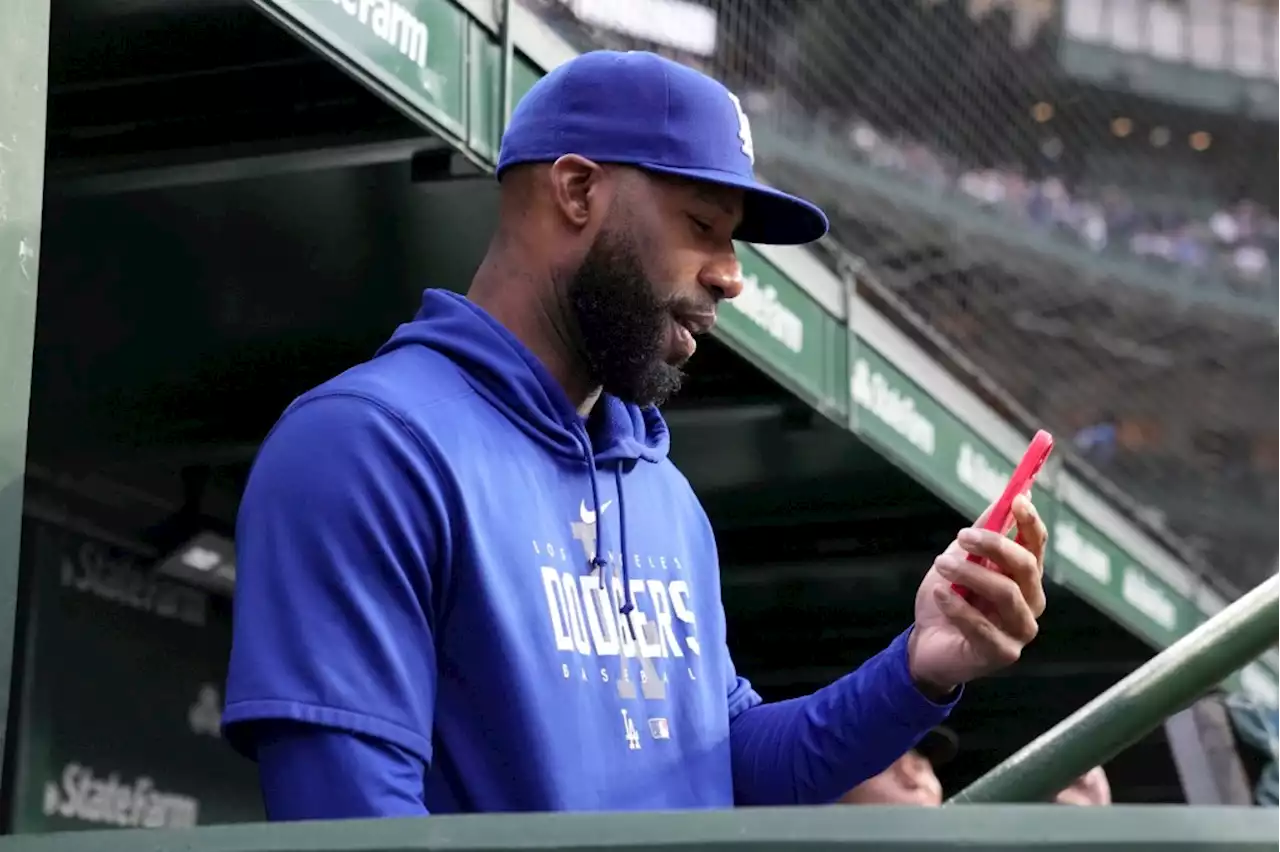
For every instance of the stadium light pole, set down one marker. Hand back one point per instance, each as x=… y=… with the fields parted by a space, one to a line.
x=1136 y=705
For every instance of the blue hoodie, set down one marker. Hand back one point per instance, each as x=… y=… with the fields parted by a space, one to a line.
x=455 y=594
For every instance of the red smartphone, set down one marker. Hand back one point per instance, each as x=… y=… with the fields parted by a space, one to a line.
x=1024 y=476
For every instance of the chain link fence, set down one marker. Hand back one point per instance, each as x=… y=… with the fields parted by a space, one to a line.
x=1076 y=197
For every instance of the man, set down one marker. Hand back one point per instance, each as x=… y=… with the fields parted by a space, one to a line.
x=912 y=779
x=471 y=580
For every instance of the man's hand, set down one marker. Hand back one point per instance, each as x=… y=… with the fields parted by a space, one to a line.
x=956 y=641
x=1091 y=788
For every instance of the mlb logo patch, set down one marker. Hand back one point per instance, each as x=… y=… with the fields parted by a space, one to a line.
x=658 y=729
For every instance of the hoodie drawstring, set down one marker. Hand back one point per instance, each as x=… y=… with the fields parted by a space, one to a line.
x=630 y=602
x=598 y=562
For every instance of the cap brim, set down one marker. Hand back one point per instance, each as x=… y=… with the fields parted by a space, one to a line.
x=769 y=216
x=939 y=746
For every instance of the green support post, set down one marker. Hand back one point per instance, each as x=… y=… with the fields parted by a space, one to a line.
x=24 y=72
x=1132 y=708
x=506 y=41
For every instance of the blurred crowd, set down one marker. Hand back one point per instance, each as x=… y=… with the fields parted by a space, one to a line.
x=1235 y=239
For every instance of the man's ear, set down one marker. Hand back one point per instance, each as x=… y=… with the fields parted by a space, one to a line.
x=577 y=188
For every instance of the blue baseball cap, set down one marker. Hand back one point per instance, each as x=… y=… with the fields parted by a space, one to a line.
x=642 y=110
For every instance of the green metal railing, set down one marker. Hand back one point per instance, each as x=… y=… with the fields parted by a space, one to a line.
x=1138 y=704
x=980 y=828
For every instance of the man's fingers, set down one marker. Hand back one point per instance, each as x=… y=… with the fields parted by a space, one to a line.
x=1012 y=559
x=1026 y=520
x=986 y=515
x=1015 y=614
x=1032 y=533
x=996 y=646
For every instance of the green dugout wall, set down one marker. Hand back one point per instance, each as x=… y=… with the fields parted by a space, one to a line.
x=24 y=28
x=848 y=372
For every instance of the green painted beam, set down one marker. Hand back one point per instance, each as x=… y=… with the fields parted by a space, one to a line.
x=1044 y=828
x=1119 y=717
x=24 y=71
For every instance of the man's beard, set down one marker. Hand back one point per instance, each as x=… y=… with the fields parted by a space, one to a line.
x=622 y=324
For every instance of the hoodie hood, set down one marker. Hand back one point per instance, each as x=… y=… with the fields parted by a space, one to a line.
x=514 y=381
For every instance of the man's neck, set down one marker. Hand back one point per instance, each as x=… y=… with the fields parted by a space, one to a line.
x=528 y=309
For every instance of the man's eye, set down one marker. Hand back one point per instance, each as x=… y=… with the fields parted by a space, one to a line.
x=702 y=226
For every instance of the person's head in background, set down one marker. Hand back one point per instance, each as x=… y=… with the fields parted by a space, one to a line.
x=913 y=780
x=1091 y=788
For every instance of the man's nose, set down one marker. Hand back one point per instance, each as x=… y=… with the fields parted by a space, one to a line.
x=723 y=278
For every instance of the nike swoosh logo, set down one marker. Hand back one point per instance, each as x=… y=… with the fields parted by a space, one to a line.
x=588 y=516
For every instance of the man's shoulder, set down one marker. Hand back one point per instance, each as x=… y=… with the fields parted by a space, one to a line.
x=414 y=385
x=377 y=422
x=405 y=402
x=409 y=379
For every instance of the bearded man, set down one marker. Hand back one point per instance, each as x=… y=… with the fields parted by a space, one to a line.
x=470 y=579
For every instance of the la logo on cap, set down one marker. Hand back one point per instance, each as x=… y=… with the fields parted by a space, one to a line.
x=744 y=129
